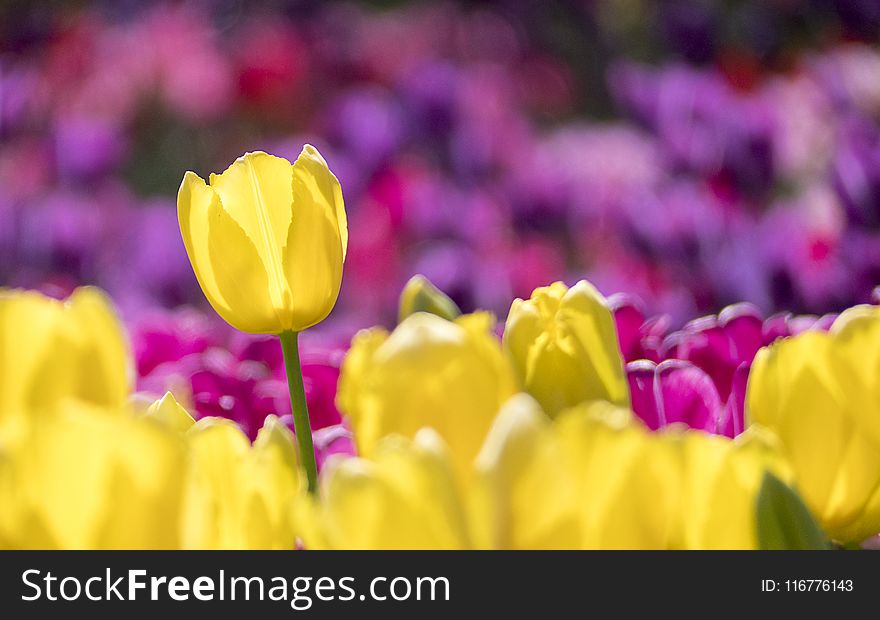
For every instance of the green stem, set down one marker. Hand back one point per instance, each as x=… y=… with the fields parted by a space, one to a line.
x=300 y=408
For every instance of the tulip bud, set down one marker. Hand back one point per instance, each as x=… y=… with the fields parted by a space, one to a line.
x=818 y=392
x=267 y=240
x=429 y=372
x=420 y=295
x=169 y=412
x=563 y=344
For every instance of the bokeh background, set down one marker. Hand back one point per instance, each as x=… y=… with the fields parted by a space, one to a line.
x=693 y=153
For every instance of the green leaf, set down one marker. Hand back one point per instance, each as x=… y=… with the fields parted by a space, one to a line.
x=784 y=522
x=420 y=295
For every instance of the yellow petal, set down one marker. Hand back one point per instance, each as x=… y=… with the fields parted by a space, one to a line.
x=30 y=328
x=213 y=510
x=857 y=336
x=91 y=480
x=275 y=478
x=195 y=201
x=523 y=498
x=256 y=192
x=239 y=496
x=233 y=231
x=813 y=392
x=586 y=313
x=241 y=277
x=627 y=482
x=312 y=178
x=404 y=497
x=51 y=351
x=106 y=372
x=170 y=413
x=420 y=295
x=314 y=249
x=721 y=485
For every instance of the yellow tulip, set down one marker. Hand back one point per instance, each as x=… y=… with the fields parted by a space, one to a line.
x=238 y=495
x=563 y=343
x=52 y=350
x=91 y=479
x=429 y=372
x=403 y=497
x=169 y=412
x=595 y=478
x=267 y=240
x=820 y=393
x=721 y=481
x=518 y=466
x=420 y=295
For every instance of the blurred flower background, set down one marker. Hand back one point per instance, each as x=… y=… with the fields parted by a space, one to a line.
x=691 y=154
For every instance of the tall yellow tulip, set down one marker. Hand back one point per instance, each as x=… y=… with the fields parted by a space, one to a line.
x=563 y=343
x=820 y=393
x=267 y=240
x=429 y=372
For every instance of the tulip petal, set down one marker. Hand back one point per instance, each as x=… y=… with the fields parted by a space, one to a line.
x=642 y=385
x=522 y=498
x=734 y=409
x=241 y=280
x=721 y=483
x=312 y=264
x=804 y=389
x=90 y=480
x=51 y=350
x=857 y=335
x=194 y=201
x=30 y=375
x=404 y=497
x=256 y=192
x=596 y=326
x=312 y=176
x=107 y=373
x=689 y=396
x=170 y=413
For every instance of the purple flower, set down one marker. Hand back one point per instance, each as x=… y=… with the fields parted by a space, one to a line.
x=168 y=337
x=719 y=344
x=329 y=441
x=236 y=376
x=639 y=339
x=856 y=172
x=88 y=146
x=675 y=391
x=701 y=380
x=364 y=124
x=703 y=122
